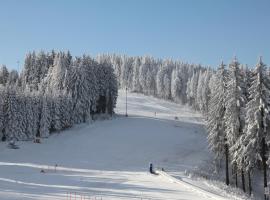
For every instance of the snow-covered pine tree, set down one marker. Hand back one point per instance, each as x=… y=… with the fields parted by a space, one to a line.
x=192 y=85
x=127 y=72
x=56 y=118
x=176 y=85
x=13 y=78
x=151 y=81
x=83 y=87
x=28 y=72
x=112 y=90
x=145 y=65
x=136 y=86
x=65 y=109
x=215 y=121
x=253 y=142
x=184 y=76
x=116 y=62
x=167 y=86
x=45 y=118
x=2 y=112
x=235 y=110
x=14 y=128
x=4 y=74
x=206 y=92
x=57 y=74
x=199 y=95
x=42 y=67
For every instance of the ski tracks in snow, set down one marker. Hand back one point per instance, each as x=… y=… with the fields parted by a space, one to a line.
x=191 y=187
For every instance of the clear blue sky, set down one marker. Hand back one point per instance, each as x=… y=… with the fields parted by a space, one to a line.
x=198 y=31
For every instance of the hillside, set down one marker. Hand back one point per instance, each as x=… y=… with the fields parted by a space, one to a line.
x=110 y=159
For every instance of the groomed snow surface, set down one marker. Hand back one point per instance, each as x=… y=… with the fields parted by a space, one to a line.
x=110 y=159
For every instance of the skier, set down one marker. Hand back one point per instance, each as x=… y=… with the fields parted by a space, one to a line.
x=151 y=168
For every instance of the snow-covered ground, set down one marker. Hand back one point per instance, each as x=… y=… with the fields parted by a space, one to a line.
x=110 y=159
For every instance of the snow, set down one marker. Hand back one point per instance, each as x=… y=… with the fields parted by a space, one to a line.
x=110 y=159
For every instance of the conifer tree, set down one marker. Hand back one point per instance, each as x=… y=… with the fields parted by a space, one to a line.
x=215 y=123
x=235 y=110
x=45 y=118
x=4 y=74
x=253 y=143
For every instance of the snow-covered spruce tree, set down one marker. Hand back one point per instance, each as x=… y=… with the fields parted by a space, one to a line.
x=235 y=110
x=254 y=142
x=36 y=67
x=13 y=77
x=3 y=109
x=82 y=85
x=151 y=81
x=164 y=80
x=176 y=85
x=192 y=85
x=136 y=86
x=127 y=72
x=29 y=115
x=45 y=118
x=57 y=74
x=42 y=64
x=116 y=62
x=14 y=127
x=183 y=71
x=4 y=74
x=167 y=86
x=56 y=113
x=199 y=95
x=65 y=109
x=102 y=86
x=236 y=155
x=28 y=72
x=33 y=114
x=206 y=92
x=215 y=122
x=107 y=85
x=144 y=72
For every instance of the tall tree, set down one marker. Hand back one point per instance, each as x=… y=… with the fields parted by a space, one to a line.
x=254 y=147
x=215 y=122
x=45 y=118
x=4 y=74
x=235 y=109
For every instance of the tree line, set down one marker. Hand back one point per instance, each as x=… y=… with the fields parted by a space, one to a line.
x=53 y=92
x=235 y=102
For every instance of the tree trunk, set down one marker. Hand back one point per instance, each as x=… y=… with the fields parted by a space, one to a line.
x=236 y=180
x=264 y=165
x=227 y=163
x=243 y=180
x=249 y=183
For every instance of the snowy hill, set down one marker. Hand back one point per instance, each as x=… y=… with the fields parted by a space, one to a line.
x=109 y=159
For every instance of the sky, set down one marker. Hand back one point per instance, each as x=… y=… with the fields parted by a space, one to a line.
x=195 y=31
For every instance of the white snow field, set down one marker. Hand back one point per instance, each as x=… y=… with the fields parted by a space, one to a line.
x=110 y=159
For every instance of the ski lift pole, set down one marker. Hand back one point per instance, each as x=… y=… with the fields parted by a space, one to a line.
x=126 y=102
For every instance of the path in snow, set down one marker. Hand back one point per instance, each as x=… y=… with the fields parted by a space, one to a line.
x=110 y=159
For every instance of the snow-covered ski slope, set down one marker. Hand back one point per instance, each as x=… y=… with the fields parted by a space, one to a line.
x=110 y=159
